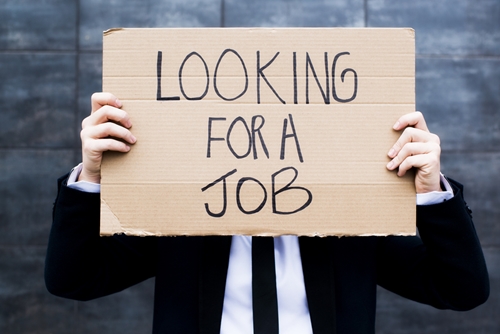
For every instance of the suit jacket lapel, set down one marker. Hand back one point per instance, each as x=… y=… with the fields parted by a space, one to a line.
x=319 y=279
x=214 y=263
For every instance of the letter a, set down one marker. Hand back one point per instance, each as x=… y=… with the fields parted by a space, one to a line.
x=285 y=136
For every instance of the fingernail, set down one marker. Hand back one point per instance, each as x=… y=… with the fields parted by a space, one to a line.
x=390 y=165
x=118 y=103
x=392 y=152
x=133 y=139
x=396 y=126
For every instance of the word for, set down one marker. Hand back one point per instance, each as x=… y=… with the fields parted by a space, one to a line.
x=252 y=133
x=260 y=74
x=274 y=194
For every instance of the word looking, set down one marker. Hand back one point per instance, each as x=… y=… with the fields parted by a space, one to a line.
x=260 y=76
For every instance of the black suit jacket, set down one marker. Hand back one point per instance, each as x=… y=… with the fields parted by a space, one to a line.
x=444 y=267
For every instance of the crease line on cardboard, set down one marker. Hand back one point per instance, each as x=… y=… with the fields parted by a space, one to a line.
x=250 y=77
x=216 y=101
x=110 y=224
x=156 y=183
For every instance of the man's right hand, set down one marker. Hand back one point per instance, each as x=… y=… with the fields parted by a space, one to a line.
x=106 y=129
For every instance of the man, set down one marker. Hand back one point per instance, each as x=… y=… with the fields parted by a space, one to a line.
x=325 y=285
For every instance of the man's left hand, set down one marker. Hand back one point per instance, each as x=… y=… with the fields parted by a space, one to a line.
x=419 y=148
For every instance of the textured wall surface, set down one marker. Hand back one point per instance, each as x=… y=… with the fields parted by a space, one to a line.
x=50 y=63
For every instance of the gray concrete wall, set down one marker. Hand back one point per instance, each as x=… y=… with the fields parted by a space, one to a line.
x=50 y=63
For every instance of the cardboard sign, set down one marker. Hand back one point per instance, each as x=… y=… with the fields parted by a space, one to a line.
x=259 y=131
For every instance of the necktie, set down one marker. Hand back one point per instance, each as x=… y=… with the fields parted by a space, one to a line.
x=265 y=301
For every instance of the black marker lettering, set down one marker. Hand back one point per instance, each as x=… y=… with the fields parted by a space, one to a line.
x=285 y=136
x=260 y=73
x=256 y=130
x=238 y=200
x=215 y=76
x=342 y=76
x=224 y=194
x=228 y=140
x=295 y=100
x=158 y=83
x=326 y=92
x=206 y=73
x=287 y=188
x=210 y=138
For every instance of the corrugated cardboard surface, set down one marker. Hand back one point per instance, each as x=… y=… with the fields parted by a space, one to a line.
x=222 y=80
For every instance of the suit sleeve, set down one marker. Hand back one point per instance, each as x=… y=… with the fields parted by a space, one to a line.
x=82 y=265
x=444 y=266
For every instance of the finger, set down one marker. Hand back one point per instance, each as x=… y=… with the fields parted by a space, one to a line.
x=106 y=114
x=99 y=100
x=415 y=149
x=107 y=144
x=415 y=119
x=406 y=165
x=93 y=149
x=426 y=163
x=106 y=130
x=412 y=135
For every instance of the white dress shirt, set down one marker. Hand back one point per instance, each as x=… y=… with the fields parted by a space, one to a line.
x=293 y=312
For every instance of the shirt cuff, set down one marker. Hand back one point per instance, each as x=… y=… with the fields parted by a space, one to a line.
x=435 y=197
x=85 y=186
